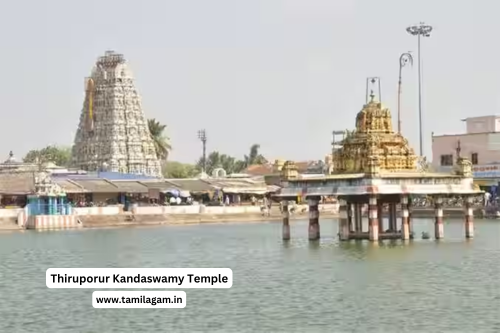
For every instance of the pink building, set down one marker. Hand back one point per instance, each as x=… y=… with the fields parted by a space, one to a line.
x=480 y=143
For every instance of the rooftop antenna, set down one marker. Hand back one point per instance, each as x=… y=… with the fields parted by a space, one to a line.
x=372 y=82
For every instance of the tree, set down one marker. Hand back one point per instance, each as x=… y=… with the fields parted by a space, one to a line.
x=179 y=170
x=229 y=163
x=239 y=166
x=217 y=160
x=254 y=157
x=59 y=155
x=161 y=141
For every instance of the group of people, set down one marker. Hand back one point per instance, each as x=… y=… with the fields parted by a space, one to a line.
x=177 y=201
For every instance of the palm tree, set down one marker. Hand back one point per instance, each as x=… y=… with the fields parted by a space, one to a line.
x=217 y=160
x=254 y=157
x=161 y=141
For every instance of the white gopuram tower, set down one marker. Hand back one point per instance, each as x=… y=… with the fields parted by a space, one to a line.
x=113 y=133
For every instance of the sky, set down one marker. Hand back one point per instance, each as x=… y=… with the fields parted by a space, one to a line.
x=280 y=73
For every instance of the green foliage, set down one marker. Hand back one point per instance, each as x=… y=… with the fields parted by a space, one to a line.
x=229 y=163
x=179 y=170
x=254 y=157
x=58 y=155
x=217 y=160
x=161 y=141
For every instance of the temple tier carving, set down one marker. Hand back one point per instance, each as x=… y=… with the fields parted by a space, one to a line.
x=463 y=167
x=113 y=133
x=373 y=146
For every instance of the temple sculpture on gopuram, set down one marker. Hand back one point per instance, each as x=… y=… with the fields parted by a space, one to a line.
x=113 y=133
x=375 y=171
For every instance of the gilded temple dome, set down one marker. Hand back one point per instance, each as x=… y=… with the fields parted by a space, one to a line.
x=374 y=141
x=374 y=118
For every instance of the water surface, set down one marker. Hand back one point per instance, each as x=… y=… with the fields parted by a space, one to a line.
x=426 y=286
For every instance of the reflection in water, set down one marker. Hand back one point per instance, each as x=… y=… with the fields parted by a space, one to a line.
x=294 y=286
x=314 y=245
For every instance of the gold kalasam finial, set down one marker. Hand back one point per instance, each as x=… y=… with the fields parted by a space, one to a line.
x=373 y=82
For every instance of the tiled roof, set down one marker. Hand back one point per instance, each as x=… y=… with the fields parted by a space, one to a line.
x=159 y=185
x=97 y=185
x=192 y=185
x=130 y=186
x=17 y=183
x=303 y=165
x=259 y=170
x=68 y=186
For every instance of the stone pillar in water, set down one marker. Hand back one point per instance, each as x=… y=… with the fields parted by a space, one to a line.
x=344 y=220
x=405 y=218
x=380 y=216
x=373 y=218
x=469 y=218
x=438 y=225
x=286 y=220
x=350 y=216
x=313 y=219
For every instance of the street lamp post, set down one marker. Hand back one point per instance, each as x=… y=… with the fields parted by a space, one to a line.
x=405 y=58
x=202 y=135
x=420 y=30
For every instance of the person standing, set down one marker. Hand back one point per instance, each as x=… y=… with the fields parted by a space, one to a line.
x=487 y=197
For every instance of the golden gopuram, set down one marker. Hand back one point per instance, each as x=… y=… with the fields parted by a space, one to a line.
x=376 y=168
